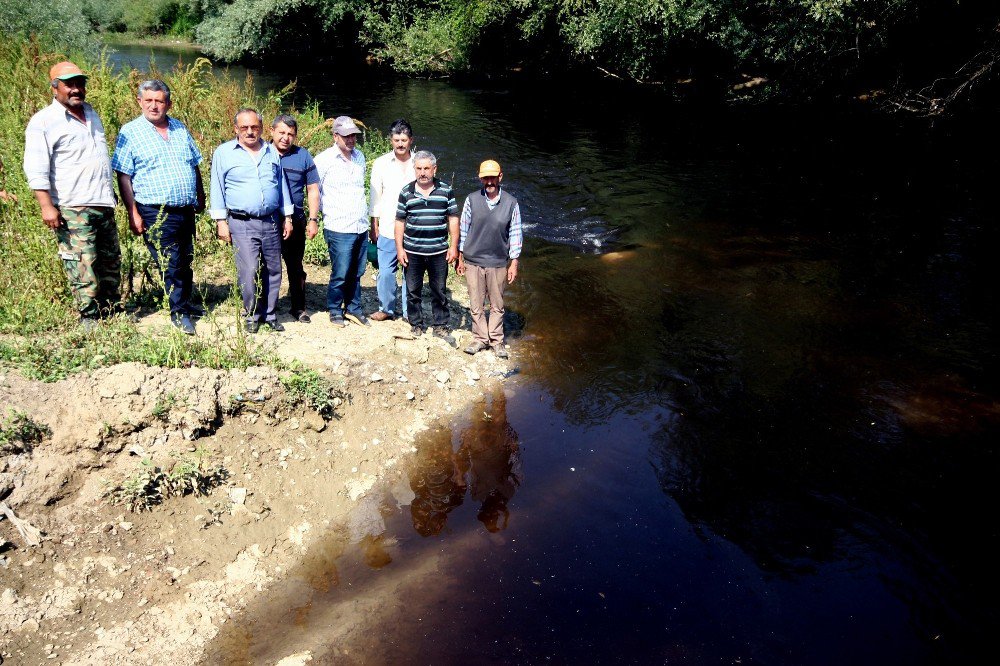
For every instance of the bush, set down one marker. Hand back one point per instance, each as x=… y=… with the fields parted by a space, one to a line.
x=19 y=433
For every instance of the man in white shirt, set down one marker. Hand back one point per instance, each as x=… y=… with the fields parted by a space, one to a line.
x=390 y=172
x=66 y=164
x=341 y=171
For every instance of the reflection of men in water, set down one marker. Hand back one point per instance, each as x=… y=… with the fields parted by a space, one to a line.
x=490 y=454
x=489 y=247
x=438 y=487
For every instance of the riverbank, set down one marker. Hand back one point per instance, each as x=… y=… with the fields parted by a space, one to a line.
x=109 y=586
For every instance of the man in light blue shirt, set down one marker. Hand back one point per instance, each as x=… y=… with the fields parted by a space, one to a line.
x=157 y=164
x=249 y=195
x=341 y=172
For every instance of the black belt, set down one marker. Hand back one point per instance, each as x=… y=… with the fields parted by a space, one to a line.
x=169 y=209
x=240 y=215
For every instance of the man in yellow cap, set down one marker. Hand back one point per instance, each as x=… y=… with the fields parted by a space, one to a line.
x=66 y=164
x=489 y=246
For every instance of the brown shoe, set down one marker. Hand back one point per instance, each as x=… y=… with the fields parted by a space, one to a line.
x=380 y=316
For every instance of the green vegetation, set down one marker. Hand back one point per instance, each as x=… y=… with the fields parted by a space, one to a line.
x=917 y=48
x=19 y=433
x=310 y=387
x=150 y=485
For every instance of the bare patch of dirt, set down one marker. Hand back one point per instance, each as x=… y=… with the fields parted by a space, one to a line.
x=108 y=586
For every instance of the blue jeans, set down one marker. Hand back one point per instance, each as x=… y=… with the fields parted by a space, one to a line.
x=348 y=260
x=386 y=285
x=170 y=235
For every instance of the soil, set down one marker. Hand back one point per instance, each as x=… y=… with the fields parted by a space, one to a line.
x=111 y=586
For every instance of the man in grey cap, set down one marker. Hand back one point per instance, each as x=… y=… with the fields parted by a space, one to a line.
x=341 y=171
x=66 y=164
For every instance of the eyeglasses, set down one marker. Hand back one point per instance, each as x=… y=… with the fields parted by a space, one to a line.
x=247 y=128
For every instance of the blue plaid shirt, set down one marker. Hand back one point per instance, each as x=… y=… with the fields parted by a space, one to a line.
x=162 y=170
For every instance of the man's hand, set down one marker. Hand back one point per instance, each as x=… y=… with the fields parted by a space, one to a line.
x=373 y=231
x=312 y=228
x=460 y=268
x=452 y=256
x=222 y=229
x=401 y=257
x=512 y=271
x=51 y=217
x=287 y=233
x=135 y=222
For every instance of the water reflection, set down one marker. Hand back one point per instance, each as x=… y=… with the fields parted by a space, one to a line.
x=486 y=467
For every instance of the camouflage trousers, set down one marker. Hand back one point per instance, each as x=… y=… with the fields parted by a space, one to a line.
x=91 y=257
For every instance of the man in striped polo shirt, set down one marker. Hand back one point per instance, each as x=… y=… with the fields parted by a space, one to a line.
x=426 y=242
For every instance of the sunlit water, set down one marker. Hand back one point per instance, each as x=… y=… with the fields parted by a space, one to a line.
x=756 y=414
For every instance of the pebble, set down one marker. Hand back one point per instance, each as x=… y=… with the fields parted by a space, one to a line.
x=409 y=395
x=443 y=377
x=376 y=377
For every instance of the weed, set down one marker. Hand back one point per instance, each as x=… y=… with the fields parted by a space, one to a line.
x=310 y=387
x=151 y=485
x=19 y=433
x=163 y=404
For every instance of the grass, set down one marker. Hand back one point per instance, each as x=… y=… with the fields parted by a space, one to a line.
x=313 y=389
x=38 y=333
x=19 y=433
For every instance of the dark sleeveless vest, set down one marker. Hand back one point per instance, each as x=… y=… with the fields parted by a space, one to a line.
x=487 y=243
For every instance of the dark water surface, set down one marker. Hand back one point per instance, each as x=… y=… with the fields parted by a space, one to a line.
x=757 y=409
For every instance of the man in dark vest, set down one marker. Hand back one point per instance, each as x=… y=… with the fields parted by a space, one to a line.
x=488 y=249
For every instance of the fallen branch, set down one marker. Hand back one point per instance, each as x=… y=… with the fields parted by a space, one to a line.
x=28 y=532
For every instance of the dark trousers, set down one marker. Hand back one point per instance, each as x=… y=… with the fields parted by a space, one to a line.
x=436 y=267
x=293 y=249
x=170 y=239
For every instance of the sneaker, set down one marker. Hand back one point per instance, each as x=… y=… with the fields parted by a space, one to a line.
x=475 y=348
x=301 y=317
x=252 y=326
x=500 y=352
x=274 y=325
x=444 y=333
x=380 y=316
x=359 y=319
x=183 y=322
x=337 y=320
x=417 y=331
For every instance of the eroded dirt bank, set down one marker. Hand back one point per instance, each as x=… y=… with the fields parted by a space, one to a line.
x=109 y=586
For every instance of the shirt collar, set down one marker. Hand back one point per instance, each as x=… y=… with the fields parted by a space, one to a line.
x=492 y=201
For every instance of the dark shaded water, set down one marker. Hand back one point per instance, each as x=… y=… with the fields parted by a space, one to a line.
x=757 y=412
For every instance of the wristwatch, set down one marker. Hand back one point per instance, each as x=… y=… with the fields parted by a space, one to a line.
x=314 y=219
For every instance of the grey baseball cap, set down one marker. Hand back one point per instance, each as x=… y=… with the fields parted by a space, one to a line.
x=344 y=126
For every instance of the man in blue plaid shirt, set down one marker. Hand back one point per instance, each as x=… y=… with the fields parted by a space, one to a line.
x=157 y=164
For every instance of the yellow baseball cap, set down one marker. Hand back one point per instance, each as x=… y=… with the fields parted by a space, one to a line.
x=489 y=168
x=65 y=70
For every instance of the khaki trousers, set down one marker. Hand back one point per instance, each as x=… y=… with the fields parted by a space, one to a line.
x=483 y=283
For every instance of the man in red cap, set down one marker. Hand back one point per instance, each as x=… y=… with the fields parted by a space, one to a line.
x=66 y=164
x=489 y=246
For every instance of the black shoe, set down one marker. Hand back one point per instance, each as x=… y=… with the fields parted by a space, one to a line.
x=89 y=324
x=252 y=326
x=194 y=311
x=360 y=320
x=274 y=325
x=337 y=320
x=183 y=322
x=301 y=317
x=416 y=331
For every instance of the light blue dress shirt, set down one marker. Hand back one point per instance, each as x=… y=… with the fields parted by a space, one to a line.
x=162 y=170
x=239 y=182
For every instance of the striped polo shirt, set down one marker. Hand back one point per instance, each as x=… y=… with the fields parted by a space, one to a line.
x=426 y=230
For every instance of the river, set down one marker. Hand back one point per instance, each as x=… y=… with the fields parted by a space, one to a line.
x=756 y=412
